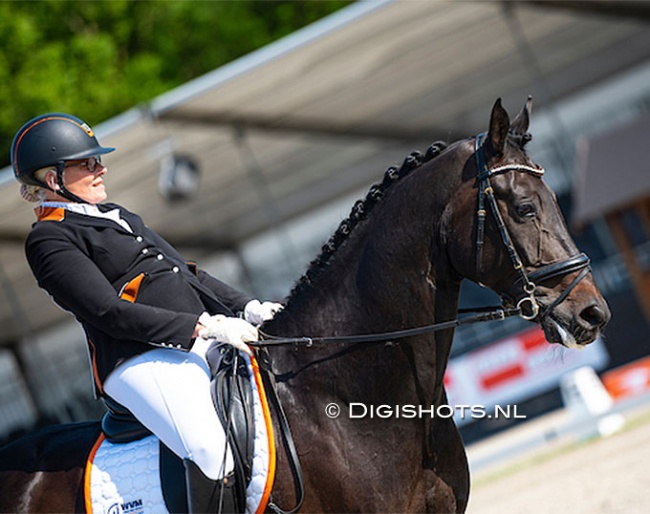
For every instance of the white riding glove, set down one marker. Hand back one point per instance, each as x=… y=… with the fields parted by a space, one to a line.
x=233 y=331
x=257 y=313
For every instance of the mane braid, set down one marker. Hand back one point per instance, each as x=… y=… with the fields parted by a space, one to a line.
x=360 y=211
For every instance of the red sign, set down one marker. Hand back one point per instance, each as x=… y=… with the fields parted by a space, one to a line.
x=628 y=380
x=514 y=369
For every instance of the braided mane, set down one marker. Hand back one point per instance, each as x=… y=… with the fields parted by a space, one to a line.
x=360 y=211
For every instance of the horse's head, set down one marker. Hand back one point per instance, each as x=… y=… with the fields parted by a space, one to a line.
x=522 y=248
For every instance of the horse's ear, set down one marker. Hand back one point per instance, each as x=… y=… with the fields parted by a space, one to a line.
x=520 y=123
x=499 y=124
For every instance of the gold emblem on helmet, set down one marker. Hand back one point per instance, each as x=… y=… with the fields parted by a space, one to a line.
x=88 y=130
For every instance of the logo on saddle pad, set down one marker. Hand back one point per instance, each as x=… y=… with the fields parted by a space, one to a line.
x=127 y=507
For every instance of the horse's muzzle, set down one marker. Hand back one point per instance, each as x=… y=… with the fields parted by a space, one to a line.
x=576 y=328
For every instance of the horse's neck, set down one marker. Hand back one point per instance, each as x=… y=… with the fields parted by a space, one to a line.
x=408 y=371
x=382 y=279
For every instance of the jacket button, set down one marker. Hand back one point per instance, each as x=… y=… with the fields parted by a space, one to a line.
x=139 y=239
x=145 y=251
x=175 y=269
x=160 y=256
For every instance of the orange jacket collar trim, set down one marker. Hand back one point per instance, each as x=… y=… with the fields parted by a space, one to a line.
x=50 y=213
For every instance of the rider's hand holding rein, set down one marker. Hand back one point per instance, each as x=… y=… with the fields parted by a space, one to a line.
x=233 y=331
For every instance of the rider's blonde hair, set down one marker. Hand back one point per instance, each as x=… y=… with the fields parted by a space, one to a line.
x=33 y=193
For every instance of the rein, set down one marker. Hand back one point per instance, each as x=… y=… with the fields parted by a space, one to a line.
x=495 y=314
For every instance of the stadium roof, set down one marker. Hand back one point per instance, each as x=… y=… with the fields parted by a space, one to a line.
x=326 y=110
x=603 y=183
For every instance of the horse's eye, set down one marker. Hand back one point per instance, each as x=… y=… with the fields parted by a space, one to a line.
x=526 y=210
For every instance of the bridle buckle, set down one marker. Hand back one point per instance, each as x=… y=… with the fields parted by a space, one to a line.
x=528 y=308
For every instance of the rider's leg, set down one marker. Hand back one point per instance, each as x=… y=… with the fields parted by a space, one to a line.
x=168 y=391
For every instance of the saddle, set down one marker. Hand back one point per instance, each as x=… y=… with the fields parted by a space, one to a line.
x=232 y=398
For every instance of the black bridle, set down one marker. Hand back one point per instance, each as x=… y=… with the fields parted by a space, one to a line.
x=528 y=306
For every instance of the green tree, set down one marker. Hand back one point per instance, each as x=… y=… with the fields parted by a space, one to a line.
x=96 y=59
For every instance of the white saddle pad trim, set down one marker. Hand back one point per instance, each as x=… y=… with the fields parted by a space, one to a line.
x=125 y=478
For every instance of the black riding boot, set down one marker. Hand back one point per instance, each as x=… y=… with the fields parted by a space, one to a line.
x=205 y=495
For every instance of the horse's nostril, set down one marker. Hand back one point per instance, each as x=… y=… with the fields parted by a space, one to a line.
x=595 y=316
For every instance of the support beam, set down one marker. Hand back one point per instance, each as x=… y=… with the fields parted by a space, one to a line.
x=300 y=125
x=12 y=237
x=639 y=275
x=638 y=10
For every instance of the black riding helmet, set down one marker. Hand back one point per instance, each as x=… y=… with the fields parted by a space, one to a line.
x=51 y=140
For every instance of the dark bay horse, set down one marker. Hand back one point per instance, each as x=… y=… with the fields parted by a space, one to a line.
x=476 y=209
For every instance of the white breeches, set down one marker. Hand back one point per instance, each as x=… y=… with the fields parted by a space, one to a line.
x=168 y=391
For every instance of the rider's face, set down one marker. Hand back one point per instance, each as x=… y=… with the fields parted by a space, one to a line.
x=83 y=178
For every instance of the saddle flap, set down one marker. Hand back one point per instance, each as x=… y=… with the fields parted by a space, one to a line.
x=232 y=397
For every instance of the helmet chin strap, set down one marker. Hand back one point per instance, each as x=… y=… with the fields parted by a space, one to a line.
x=63 y=191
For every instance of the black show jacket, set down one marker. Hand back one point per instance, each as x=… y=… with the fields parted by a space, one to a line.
x=131 y=292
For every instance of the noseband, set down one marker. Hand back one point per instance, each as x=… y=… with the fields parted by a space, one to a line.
x=527 y=304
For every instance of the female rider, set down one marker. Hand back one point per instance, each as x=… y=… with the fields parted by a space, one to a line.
x=148 y=314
